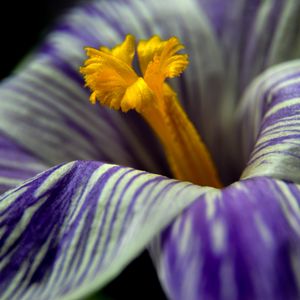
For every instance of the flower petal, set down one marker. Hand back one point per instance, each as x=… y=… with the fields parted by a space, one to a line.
x=16 y=164
x=71 y=229
x=243 y=243
x=252 y=36
x=269 y=116
x=45 y=109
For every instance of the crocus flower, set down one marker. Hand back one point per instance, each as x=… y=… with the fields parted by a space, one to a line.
x=70 y=220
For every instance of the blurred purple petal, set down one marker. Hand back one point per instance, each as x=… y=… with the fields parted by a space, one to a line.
x=252 y=36
x=243 y=243
x=16 y=164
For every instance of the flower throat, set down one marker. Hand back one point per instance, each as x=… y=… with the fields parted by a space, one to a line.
x=114 y=83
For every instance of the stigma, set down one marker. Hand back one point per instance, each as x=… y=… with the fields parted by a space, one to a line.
x=114 y=83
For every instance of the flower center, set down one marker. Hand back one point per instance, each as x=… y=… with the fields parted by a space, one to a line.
x=114 y=83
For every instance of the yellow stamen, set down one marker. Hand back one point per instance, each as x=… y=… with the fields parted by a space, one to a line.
x=114 y=83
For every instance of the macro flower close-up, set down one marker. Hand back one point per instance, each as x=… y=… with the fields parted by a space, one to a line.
x=166 y=126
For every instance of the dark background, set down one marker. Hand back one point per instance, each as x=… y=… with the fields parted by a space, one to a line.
x=23 y=24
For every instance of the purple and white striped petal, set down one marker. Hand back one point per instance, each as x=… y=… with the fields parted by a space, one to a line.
x=252 y=36
x=240 y=244
x=16 y=164
x=270 y=119
x=66 y=232
x=46 y=110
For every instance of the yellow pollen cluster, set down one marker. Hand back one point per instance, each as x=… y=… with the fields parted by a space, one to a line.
x=114 y=83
